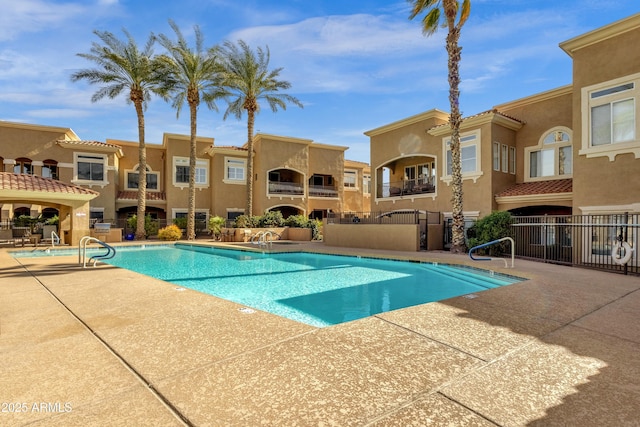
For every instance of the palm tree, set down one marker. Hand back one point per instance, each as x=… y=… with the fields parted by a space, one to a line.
x=449 y=11
x=247 y=79
x=191 y=75
x=122 y=65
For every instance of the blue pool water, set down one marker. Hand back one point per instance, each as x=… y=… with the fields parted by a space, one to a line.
x=319 y=290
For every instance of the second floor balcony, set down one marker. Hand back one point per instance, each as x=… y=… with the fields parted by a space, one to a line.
x=407 y=187
x=287 y=188
x=323 y=191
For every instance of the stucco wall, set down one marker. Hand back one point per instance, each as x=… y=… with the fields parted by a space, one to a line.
x=598 y=181
x=389 y=237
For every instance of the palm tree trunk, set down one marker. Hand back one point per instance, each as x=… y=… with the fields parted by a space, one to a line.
x=191 y=212
x=250 y=124
x=453 y=51
x=142 y=173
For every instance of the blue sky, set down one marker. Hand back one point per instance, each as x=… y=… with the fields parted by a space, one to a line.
x=355 y=65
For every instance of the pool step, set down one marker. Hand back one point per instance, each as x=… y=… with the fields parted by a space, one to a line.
x=486 y=282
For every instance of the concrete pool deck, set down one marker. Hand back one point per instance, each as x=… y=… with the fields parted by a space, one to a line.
x=107 y=346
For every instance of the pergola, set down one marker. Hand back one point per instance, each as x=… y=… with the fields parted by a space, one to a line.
x=71 y=201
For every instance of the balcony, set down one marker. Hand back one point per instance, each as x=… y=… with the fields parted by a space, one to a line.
x=286 y=188
x=408 y=187
x=323 y=191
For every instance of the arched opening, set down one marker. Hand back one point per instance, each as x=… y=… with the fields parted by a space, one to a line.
x=286 y=211
x=48 y=213
x=285 y=181
x=50 y=169
x=23 y=166
x=411 y=175
x=21 y=211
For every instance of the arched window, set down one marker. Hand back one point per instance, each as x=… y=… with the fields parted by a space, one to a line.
x=21 y=211
x=50 y=169
x=133 y=175
x=23 y=166
x=552 y=157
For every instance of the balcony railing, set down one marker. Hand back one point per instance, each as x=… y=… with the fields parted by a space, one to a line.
x=408 y=187
x=323 y=191
x=291 y=188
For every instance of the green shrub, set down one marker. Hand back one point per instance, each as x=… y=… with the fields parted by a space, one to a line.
x=297 y=221
x=492 y=227
x=215 y=224
x=246 y=221
x=54 y=220
x=301 y=221
x=181 y=222
x=271 y=219
x=150 y=225
x=170 y=232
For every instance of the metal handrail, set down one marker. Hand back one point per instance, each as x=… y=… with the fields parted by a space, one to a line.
x=54 y=238
x=260 y=238
x=82 y=251
x=484 y=245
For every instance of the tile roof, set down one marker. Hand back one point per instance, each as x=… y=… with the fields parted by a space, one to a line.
x=12 y=181
x=539 y=187
x=133 y=195
x=483 y=113
x=229 y=147
x=88 y=143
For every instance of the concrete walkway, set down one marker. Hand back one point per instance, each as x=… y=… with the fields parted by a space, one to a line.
x=108 y=346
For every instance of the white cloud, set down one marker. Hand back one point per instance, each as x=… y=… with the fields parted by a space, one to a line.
x=57 y=113
x=29 y=16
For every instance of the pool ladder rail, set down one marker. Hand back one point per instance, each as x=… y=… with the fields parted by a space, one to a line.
x=82 y=251
x=264 y=238
x=506 y=265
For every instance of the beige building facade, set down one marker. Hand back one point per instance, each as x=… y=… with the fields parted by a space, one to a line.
x=571 y=150
x=292 y=175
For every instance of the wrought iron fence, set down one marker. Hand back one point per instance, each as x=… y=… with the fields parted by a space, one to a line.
x=401 y=216
x=592 y=241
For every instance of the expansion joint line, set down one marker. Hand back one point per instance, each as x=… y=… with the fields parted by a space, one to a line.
x=141 y=378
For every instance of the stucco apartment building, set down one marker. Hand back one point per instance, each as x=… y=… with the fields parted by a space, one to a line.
x=295 y=176
x=570 y=150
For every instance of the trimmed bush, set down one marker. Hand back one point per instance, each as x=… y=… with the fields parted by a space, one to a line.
x=150 y=225
x=170 y=232
x=246 y=221
x=301 y=221
x=271 y=219
x=492 y=227
x=180 y=222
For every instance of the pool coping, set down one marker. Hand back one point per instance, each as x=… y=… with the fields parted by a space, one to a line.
x=564 y=340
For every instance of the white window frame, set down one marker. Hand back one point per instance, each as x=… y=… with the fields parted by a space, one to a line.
x=234 y=180
x=512 y=160
x=467 y=139
x=496 y=156
x=234 y=210
x=185 y=212
x=555 y=148
x=202 y=172
x=136 y=170
x=366 y=184
x=505 y=158
x=90 y=158
x=595 y=96
x=352 y=175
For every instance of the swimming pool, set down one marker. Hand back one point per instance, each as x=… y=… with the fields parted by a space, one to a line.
x=319 y=290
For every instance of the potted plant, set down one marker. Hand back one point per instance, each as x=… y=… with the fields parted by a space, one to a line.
x=215 y=226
